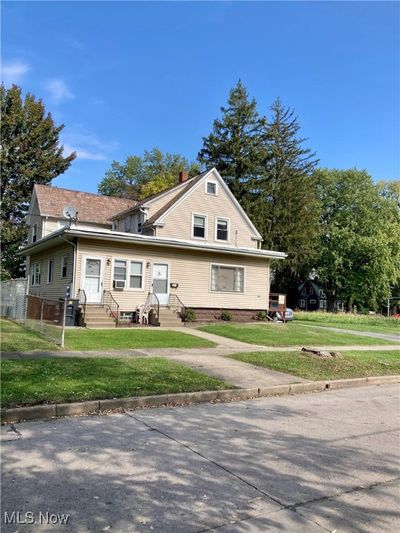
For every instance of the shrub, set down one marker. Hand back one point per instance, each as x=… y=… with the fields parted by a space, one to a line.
x=189 y=315
x=225 y=315
x=261 y=315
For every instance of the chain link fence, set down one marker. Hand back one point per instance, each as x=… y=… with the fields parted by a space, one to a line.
x=40 y=314
x=12 y=298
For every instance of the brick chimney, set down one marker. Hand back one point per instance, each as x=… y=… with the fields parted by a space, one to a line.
x=183 y=176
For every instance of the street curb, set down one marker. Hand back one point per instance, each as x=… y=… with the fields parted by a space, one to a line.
x=45 y=412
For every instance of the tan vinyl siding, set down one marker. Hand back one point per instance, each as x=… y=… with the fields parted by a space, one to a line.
x=178 y=224
x=190 y=269
x=56 y=289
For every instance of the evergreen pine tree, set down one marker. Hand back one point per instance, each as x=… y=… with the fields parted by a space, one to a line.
x=30 y=153
x=287 y=204
x=236 y=146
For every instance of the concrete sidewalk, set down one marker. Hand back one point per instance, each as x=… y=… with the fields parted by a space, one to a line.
x=383 y=336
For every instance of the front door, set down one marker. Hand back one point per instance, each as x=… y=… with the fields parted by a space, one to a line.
x=93 y=278
x=160 y=282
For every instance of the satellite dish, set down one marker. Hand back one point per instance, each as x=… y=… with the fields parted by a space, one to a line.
x=69 y=211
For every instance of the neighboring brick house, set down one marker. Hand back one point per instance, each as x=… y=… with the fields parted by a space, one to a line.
x=191 y=245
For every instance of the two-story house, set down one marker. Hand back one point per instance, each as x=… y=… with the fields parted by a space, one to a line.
x=192 y=244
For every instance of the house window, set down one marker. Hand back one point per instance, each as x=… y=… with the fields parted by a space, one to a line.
x=222 y=229
x=311 y=291
x=211 y=188
x=119 y=270
x=35 y=273
x=64 y=266
x=322 y=304
x=199 y=226
x=321 y=293
x=302 y=304
x=114 y=226
x=227 y=278
x=313 y=301
x=139 y=227
x=34 y=233
x=128 y=224
x=50 y=270
x=136 y=275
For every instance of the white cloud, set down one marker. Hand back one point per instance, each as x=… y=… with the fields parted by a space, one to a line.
x=58 y=90
x=87 y=146
x=13 y=71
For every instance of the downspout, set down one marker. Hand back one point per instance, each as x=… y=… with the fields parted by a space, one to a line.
x=73 y=263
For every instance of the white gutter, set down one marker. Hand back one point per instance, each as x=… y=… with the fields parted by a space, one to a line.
x=154 y=241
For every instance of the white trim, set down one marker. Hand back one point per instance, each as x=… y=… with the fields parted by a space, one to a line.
x=48 y=271
x=232 y=266
x=127 y=275
x=222 y=183
x=206 y=187
x=228 y=220
x=83 y=273
x=39 y=264
x=168 y=277
x=66 y=256
x=107 y=235
x=192 y=236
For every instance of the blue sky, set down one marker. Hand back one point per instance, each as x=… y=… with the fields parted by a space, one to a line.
x=127 y=76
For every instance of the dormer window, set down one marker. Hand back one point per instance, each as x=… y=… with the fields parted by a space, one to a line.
x=211 y=188
x=34 y=233
x=139 y=227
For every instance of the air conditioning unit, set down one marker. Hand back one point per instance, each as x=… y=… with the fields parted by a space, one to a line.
x=119 y=284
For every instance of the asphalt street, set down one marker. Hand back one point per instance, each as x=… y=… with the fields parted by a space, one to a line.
x=314 y=462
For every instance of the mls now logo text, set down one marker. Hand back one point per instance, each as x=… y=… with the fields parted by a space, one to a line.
x=29 y=517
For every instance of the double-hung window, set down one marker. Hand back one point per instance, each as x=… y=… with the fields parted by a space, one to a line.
x=35 y=274
x=131 y=272
x=199 y=227
x=222 y=229
x=136 y=275
x=64 y=266
x=227 y=278
x=50 y=271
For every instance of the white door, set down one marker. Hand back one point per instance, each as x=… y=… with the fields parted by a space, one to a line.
x=160 y=282
x=93 y=278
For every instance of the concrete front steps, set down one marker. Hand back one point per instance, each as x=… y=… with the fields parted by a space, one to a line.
x=97 y=316
x=169 y=318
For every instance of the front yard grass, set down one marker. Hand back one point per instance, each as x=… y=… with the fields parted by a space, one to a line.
x=353 y=364
x=39 y=381
x=291 y=334
x=17 y=338
x=372 y=323
x=101 y=339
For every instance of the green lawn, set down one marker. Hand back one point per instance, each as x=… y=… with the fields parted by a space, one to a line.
x=353 y=364
x=90 y=339
x=37 y=381
x=290 y=334
x=373 y=323
x=16 y=338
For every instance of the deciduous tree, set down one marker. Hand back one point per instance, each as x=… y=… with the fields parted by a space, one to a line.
x=142 y=176
x=30 y=153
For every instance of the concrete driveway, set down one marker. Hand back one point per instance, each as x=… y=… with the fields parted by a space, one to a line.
x=304 y=463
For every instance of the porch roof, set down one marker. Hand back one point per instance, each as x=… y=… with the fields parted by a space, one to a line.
x=56 y=238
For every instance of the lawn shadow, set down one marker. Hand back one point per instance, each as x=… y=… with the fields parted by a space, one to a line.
x=188 y=469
